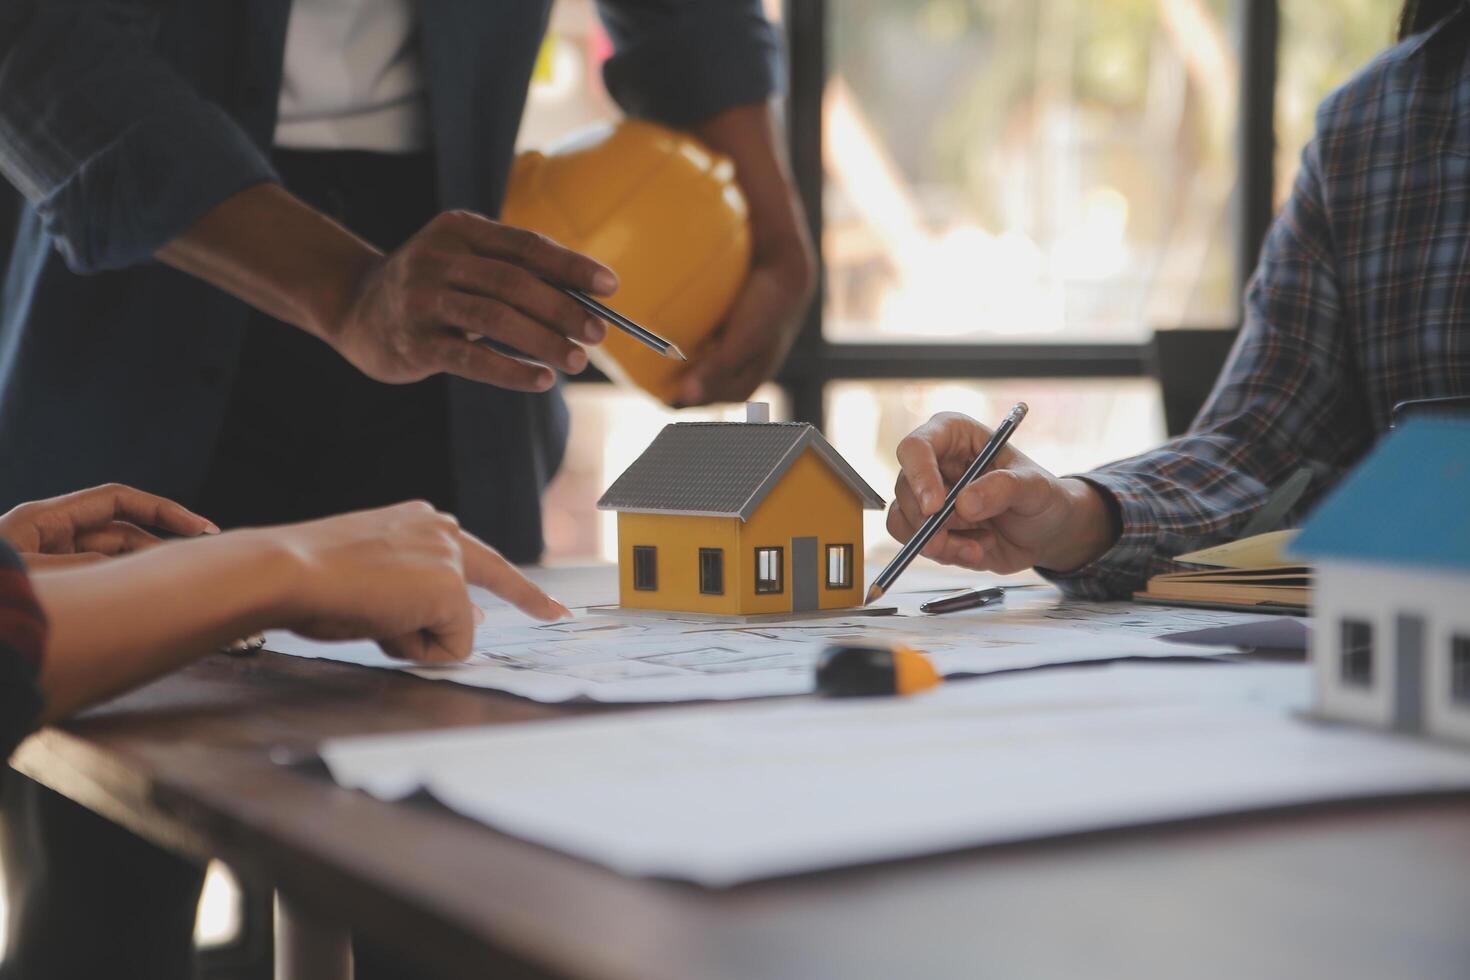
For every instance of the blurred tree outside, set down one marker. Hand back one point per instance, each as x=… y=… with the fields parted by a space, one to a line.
x=1062 y=169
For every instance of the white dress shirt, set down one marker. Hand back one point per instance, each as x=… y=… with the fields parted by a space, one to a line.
x=351 y=79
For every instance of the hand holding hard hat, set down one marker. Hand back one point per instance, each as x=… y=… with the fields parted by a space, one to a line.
x=663 y=211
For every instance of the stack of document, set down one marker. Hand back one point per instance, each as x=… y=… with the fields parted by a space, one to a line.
x=721 y=795
x=1253 y=573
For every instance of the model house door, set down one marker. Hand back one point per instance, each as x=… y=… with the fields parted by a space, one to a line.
x=803 y=574
x=1408 y=674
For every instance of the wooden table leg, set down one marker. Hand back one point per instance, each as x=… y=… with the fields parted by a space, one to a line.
x=309 y=947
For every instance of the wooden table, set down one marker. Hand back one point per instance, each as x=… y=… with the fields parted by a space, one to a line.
x=1345 y=891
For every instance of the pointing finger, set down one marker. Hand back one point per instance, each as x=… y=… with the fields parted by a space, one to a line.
x=486 y=567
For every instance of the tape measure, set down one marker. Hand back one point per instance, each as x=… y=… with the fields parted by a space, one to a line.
x=858 y=671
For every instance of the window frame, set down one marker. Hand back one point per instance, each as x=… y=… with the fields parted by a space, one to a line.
x=780 y=579
x=719 y=555
x=846 y=551
x=651 y=553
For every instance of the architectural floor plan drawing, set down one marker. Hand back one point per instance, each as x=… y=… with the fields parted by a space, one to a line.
x=609 y=658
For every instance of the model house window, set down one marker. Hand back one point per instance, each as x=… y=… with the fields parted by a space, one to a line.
x=711 y=571
x=1357 y=652
x=645 y=568
x=839 y=566
x=767 y=571
x=1460 y=669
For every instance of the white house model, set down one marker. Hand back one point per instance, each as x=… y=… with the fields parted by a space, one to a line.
x=1391 y=635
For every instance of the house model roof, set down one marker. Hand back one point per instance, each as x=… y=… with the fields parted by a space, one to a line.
x=722 y=469
x=1408 y=503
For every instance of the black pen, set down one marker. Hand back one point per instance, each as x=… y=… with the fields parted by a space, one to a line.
x=639 y=333
x=973 y=599
x=931 y=527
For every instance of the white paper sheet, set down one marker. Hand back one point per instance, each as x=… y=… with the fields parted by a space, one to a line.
x=622 y=659
x=730 y=794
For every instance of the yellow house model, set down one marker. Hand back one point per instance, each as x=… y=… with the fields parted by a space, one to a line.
x=740 y=518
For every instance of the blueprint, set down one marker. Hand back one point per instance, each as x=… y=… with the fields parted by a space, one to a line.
x=612 y=656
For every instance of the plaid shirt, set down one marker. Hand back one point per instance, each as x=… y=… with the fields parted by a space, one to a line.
x=1361 y=300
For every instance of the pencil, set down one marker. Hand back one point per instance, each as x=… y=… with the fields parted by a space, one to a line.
x=641 y=334
x=930 y=527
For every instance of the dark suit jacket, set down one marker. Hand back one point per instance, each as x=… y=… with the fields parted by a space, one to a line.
x=123 y=121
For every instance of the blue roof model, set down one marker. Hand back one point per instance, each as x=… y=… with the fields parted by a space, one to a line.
x=1407 y=503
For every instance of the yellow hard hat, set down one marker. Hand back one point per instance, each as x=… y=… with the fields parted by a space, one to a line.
x=662 y=211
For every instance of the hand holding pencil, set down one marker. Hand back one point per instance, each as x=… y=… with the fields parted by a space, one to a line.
x=1014 y=516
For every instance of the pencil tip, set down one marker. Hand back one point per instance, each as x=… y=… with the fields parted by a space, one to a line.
x=874 y=594
x=675 y=354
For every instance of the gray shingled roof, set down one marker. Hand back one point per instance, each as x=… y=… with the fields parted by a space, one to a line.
x=722 y=469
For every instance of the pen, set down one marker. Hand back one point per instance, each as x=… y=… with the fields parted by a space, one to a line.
x=973 y=599
x=931 y=527
x=641 y=334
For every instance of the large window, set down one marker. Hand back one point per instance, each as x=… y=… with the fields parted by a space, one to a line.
x=1050 y=170
x=1010 y=200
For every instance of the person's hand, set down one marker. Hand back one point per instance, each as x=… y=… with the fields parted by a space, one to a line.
x=421 y=310
x=752 y=342
x=1014 y=516
x=748 y=347
x=92 y=524
x=398 y=575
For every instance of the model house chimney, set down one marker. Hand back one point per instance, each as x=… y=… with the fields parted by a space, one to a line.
x=757 y=411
